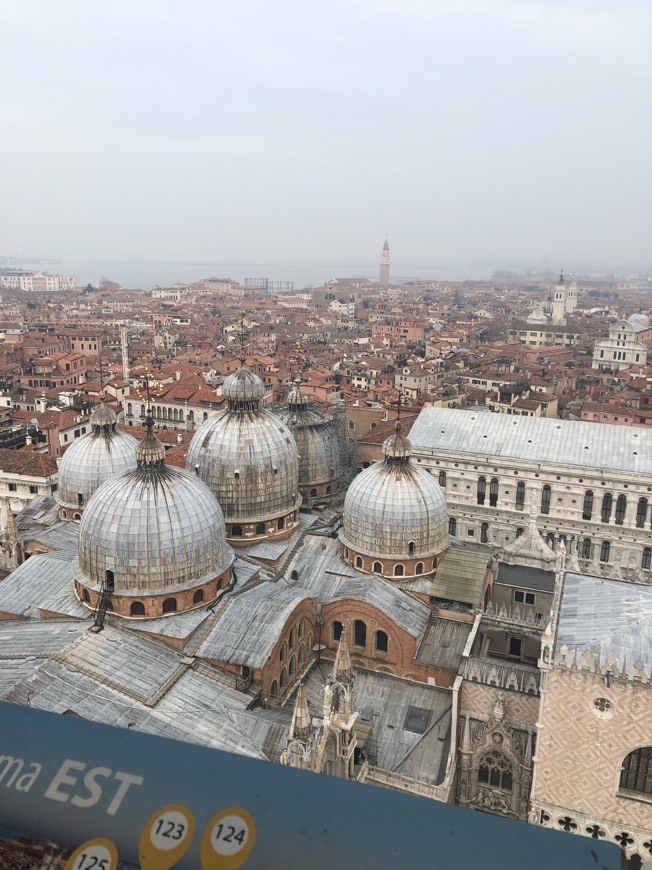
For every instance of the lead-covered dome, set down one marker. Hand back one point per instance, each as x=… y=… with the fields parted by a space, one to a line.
x=156 y=534
x=316 y=435
x=639 y=321
x=91 y=460
x=395 y=521
x=248 y=458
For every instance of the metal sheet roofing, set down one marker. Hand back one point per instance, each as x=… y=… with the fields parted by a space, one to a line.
x=536 y=439
x=610 y=617
x=460 y=575
x=41 y=583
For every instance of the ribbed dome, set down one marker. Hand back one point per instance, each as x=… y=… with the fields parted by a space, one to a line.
x=394 y=509
x=316 y=436
x=243 y=390
x=640 y=321
x=93 y=459
x=158 y=528
x=249 y=460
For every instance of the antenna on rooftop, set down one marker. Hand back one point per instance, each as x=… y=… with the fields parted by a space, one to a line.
x=243 y=340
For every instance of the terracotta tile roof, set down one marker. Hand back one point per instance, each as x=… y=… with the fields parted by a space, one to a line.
x=28 y=462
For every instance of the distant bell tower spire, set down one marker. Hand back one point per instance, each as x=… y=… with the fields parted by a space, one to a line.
x=384 y=265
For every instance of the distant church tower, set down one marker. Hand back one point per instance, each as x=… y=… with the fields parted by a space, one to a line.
x=571 y=296
x=559 y=302
x=384 y=265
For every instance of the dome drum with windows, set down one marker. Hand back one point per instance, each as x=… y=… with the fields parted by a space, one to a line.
x=152 y=538
x=394 y=521
x=249 y=460
x=91 y=460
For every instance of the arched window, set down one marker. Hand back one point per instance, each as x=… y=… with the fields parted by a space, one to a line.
x=137 y=608
x=302 y=654
x=621 y=507
x=587 y=507
x=496 y=771
x=411 y=548
x=586 y=548
x=129 y=410
x=260 y=528
x=274 y=690
x=337 y=630
x=170 y=605
x=607 y=502
x=86 y=597
x=482 y=490
x=205 y=415
x=605 y=551
x=359 y=633
x=452 y=526
x=283 y=679
x=142 y=410
x=519 y=532
x=646 y=560
x=236 y=531
x=493 y=492
x=641 y=513
x=399 y=570
x=358 y=562
x=419 y=568
x=381 y=641
x=550 y=540
x=198 y=597
x=280 y=523
x=292 y=666
x=351 y=424
x=282 y=653
x=301 y=628
x=378 y=568
x=442 y=478
x=293 y=638
x=520 y=495
x=546 y=494
x=313 y=493
x=109 y=579
x=636 y=772
x=484 y=533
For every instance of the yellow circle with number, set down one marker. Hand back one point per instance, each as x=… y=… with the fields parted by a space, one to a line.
x=228 y=839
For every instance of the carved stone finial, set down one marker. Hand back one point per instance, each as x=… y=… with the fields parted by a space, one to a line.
x=499 y=707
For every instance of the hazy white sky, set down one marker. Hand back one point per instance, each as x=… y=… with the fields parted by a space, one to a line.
x=276 y=130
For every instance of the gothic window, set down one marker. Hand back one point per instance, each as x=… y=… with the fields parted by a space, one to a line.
x=274 y=690
x=359 y=633
x=283 y=679
x=442 y=478
x=293 y=638
x=550 y=540
x=292 y=666
x=378 y=568
x=419 y=568
x=484 y=533
x=301 y=628
x=302 y=654
x=337 y=630
x=641 y=513
x=520 y=495
x=621 y=507
x=452 y=526
x=493 y=492
x=605 y=551
x=586 y=548
x=546 y=494
x=646 y=561
x=381 y=641
x=137 y=608
x=607 y=501
x=482 y=489
x=260 y=529
x=496 y=771
x=636 y=772
x=587 y=508
x=236 y=531
x=282 y=653
x=399 y=570
x=198 y=596
x=170 y=605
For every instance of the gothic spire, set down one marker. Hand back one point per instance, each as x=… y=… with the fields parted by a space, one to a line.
x=301 y=725
x=342 y=668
